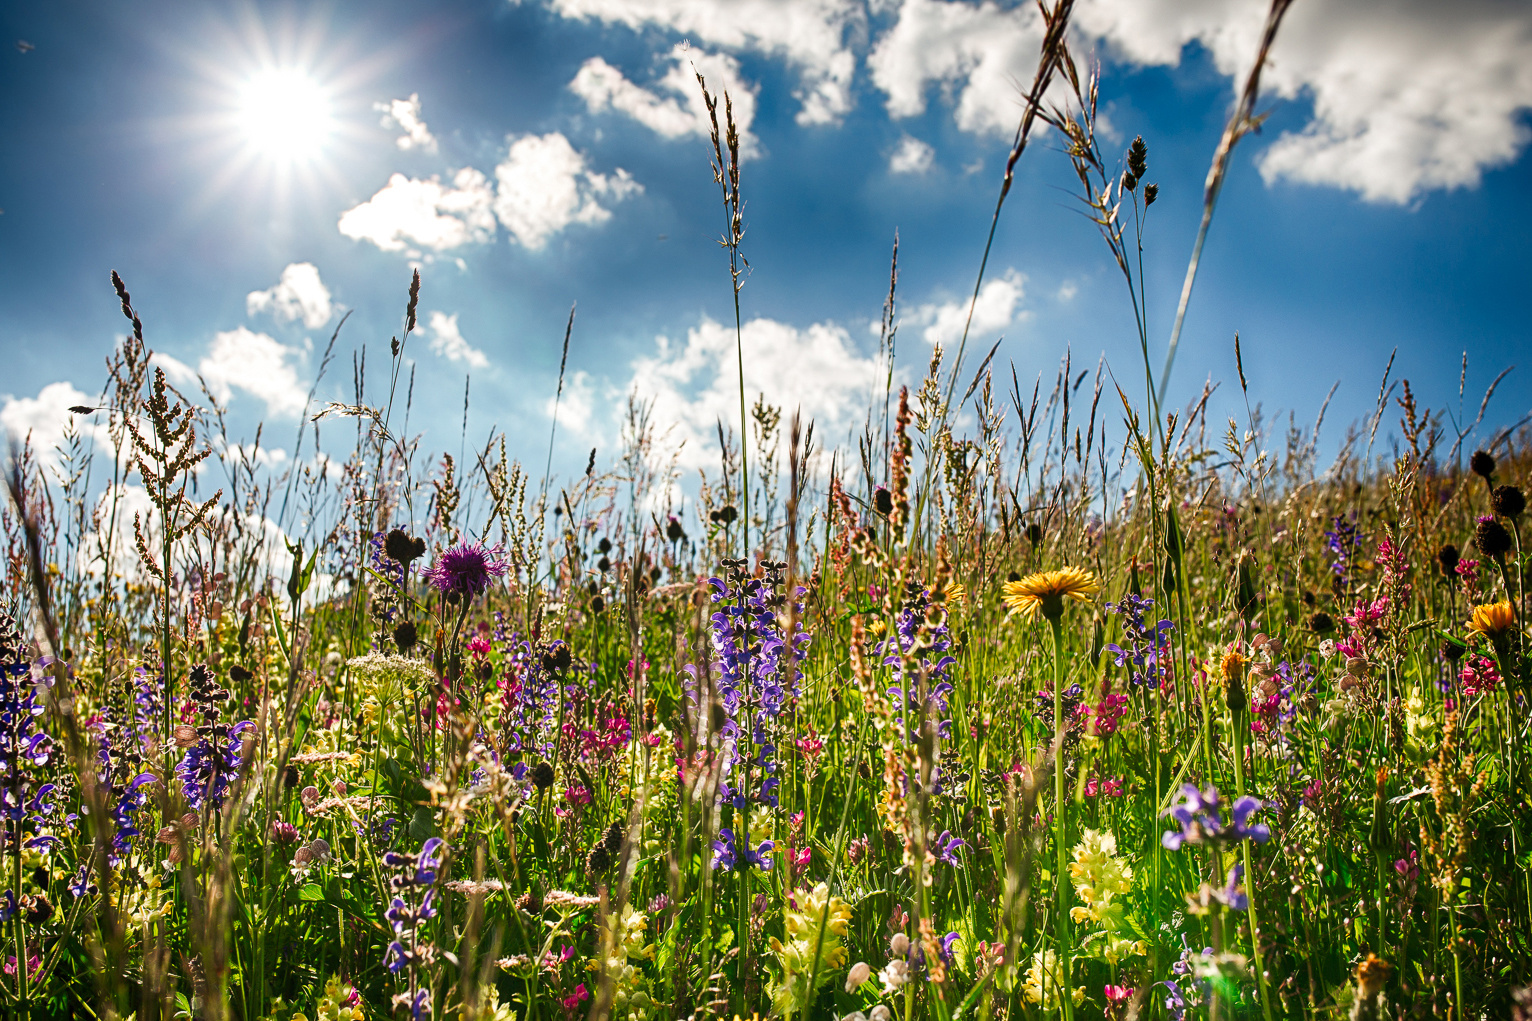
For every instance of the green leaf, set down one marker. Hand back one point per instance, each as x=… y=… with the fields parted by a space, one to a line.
x=311 y=891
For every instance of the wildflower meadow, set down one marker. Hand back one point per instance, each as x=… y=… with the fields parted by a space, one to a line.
x=1035 y=699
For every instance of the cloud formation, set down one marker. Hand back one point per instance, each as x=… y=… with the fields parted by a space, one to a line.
x=298 y=294
x=1421 y=97
x=447 y=341
x=44 y=419
x=912 y=156
x=674 y=107
x=249 y=361
x=695 y=384
x=404 y=114
x=543 y=186
x=811 y=35
x=408 y=214
x=998 y=307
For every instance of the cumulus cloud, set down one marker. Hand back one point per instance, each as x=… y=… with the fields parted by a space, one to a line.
x=404 y=114
x=977 y=52
x=44 y=419
x=1419 y=97
x=410 y=214
x=298 y=294
x=674 y=107
x=911 y=157
x=256 y=364
x=543 y=186
x=447 y=341
x=695 y=384
x=809 y=34
x=999 y=306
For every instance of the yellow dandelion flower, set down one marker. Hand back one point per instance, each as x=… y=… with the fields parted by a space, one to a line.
x=1493 y=620
x=1047 y=590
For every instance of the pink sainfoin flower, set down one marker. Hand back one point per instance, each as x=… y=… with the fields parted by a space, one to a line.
x=1391 y=559
x=1367 y=615
x=1107 y=713
x=465 y=570
x=1478 y=675
x=1468 y=570
x=1105 y=787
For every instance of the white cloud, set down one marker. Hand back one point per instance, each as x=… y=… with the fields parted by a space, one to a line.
x=404 y=114
x=544 y=186
x=809 y=34
x=911 y=157
x=256 y=364
x=447 y=341
x=679 y=111
x=981 y=53
x=1415 y=97
x=696 y=384
x=425 y=213
x=998 y=307
x=299 y=293
x=576 y=406
x=44 y=418
x=1067 y=291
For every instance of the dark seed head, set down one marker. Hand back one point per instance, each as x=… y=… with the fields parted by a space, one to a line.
x=883 y=501
x=1491 y=539
x=531 y=902
x=556 y=658
x=605 y=545
x=599 y=860
x=673 y=530
x=603 y=565
x=1508 y=501
x=542 y=776
x=1482 y=463
x=1447 y=557
x=613 y=839
x=1013 y=576
x=1034 y=535
x=1138 y=157
x=1151 y=192
x=406 y=635
x=1321 y=623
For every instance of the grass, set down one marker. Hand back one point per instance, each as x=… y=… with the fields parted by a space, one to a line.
x=385 y=734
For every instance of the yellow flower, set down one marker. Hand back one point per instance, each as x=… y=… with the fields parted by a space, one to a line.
x=1046 y=591
x=1099 y=876
x=1493 y=620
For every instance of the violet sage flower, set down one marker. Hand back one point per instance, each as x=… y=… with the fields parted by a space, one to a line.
x=1201 y=816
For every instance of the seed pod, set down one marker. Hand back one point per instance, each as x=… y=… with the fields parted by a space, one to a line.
x=1482 y=464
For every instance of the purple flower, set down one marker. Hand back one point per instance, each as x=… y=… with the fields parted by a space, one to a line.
x=1175 y=1003
x=946 y=848
x=1232 y=893
x=467 y=569
x=731 y=857
x=1200 y=814
x=1146 y=642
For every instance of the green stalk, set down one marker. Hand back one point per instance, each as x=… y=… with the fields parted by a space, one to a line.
x=1060 y=884
x=1237 y=716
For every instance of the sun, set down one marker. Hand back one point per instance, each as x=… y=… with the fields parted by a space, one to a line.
x=284 y=115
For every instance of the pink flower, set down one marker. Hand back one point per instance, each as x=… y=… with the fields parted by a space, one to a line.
x=1478 y=675
x=577 y=997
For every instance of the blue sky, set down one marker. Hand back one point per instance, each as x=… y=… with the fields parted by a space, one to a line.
x=551 y=162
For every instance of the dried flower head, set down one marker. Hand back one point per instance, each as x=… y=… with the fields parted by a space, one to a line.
x=1482 y=464
x=1046 y=591
x=1508 y=501
x=1491 y=538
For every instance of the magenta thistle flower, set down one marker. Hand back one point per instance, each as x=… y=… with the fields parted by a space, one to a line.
x=467 y=569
